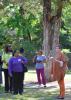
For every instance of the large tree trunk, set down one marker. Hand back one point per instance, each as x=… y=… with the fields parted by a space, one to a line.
x=51 y=32
x=46 y=31
x=56 y=25
x=56 y=35
x=46 y=25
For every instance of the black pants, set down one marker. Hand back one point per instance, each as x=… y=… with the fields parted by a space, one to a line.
x=0 y=75
x=11 y=84
x=18 y=82
x=23 y=81
x=8 y=81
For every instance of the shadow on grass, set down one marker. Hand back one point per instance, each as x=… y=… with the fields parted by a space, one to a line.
x=42 y=88
x=33 y=94
x=29 y=94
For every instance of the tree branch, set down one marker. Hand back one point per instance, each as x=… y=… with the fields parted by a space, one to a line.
x=59 y=9
x=47 y=9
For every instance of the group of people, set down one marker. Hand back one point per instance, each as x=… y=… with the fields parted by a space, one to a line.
x=58 y=69
x=14 y=63
x=13 y=67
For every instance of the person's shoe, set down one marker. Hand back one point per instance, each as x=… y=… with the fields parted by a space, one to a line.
x=11 y=92
x=6 y=91
x=21 y=93
x=60 y=97
x=44 y=86
x=15 y=93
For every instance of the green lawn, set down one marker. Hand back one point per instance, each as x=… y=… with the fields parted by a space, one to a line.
x=33 y=93
x=68 y=72
x=30 y=94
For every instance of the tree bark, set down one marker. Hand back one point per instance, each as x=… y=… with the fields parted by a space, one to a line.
x=46 y=32
x=51 y=27
x=57 y=25
x=46 y=25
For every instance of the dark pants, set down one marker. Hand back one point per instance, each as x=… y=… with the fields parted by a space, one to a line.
x=0 y=75
x=23 y=81
x=18 y=82
x=8 y=81
x=11 y=84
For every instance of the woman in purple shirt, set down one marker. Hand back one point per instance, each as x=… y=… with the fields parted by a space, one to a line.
x=16 y=70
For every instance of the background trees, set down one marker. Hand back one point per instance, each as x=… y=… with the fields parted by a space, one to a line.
x=54 y=16
x=21 y=24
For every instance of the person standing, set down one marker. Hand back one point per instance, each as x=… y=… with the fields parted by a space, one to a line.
x=59 y=64
x=25 y=59
x=15 y=69
x=5 y=58
x=1 y=69
x=39 y=60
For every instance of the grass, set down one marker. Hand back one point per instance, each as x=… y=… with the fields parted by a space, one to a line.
x=33 y=93
x=30 y=94
x=68 y=72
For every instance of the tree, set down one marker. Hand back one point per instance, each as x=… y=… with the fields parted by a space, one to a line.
x=52 y=25
x=21 y=24
x=20 y=27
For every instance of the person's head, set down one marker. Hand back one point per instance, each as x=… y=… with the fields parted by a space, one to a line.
x=21 y=50
x=40 y=52
x=9 y=48
x=58 y=49
x=16 y=53
x=6 y=49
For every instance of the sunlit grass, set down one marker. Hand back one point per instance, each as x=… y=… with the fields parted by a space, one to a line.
x=30 y=76
x=48 y=93
x=34 y=94
x=68 y=72
x=30 y=94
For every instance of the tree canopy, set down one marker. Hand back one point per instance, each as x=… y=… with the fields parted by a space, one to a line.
x=21 y=23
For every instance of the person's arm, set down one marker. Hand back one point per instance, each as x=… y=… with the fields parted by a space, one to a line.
x=24 y=60
x=64 y=60
x=61 y=60
x=3 y=58
x=34 y=59
x=10 y=67
x=45 y=59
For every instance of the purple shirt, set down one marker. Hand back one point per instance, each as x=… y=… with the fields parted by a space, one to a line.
x=15 y=64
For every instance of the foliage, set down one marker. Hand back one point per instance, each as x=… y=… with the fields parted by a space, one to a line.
x=25 y=29
x=66 y=50
x=65 y=36
x=18 y=27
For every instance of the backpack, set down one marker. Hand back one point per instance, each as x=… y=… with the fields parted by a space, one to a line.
x=35 y=59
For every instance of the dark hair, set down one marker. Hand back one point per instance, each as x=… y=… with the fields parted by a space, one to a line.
x=10 y=48
x=21 y=50
x=40 y=51
x=15 y=51
x=6 y=49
